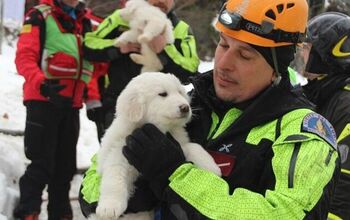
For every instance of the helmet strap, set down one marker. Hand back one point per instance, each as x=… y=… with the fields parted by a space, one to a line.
x=278 y=78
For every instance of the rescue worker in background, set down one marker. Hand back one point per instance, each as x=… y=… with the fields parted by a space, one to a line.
x=327 y=56
x=179 y=58
x=98 y=84
x=96 y=87
x=278 y=158
x=29 y=4
x=342 y=6
x=49 y=57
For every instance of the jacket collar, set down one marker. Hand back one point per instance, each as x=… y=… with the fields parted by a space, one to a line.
x=271 y=104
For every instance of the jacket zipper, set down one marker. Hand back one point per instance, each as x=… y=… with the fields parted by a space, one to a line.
x=292 y=165
x=329 y=156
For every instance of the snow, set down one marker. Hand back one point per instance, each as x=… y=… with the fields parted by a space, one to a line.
x=12 y=117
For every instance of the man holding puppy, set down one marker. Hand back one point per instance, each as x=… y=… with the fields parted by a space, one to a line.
x=179 y=58
x=278 y=158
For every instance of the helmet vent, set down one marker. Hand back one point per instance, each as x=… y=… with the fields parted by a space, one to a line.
x=280 y=8
x=271 y=14
x=289 y=5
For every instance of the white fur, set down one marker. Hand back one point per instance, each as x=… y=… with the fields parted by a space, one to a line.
x=142 y=102
x=146 y=22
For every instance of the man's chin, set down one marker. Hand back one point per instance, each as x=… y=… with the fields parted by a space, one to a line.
x=225 y=96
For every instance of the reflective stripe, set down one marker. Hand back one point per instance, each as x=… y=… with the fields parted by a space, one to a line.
x=345 y=133
x=72 y=70
x=87 y=72
x=345 y=171
x=331 y=216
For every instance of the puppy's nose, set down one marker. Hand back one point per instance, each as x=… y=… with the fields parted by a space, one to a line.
x=184 y=108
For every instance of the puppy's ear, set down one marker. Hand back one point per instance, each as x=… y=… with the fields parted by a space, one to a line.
x=131 y=105
x=129 y=10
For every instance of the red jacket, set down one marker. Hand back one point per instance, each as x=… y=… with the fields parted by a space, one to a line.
x=29 y=51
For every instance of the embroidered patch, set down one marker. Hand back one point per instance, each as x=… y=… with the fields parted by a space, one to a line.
x=317 y=124
x=27 y=28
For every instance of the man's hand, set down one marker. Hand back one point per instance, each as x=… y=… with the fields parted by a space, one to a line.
x=158 y=43
x=155 y=155
x=130 y=48
x=50 y=89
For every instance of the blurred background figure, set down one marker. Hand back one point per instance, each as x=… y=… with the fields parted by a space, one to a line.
x=327 y=58
x=342 y=6
x=49 y=58
x=179 y=58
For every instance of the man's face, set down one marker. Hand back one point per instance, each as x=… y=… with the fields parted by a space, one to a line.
x=240 y=72
x=71 y=3
x=304 y=52
x=164 y=5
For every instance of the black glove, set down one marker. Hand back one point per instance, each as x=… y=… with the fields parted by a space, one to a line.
x=143 y=198
x=50 y=89
x=108 y=104
x=95 y=114
x=155 y=155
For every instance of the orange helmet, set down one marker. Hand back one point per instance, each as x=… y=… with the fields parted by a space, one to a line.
x=266 y=23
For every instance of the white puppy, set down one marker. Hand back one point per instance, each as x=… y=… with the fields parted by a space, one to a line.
x=156 y=98
x=146 y=22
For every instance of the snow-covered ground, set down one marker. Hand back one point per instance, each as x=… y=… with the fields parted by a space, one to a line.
x=12 y=117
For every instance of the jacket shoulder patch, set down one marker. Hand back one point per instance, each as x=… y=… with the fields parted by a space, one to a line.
x=317 y=124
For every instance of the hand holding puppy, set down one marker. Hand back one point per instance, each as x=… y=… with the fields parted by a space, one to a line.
x=158 y=43
x=130 y=47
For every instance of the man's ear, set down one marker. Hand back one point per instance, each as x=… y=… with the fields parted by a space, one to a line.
x=131 y=105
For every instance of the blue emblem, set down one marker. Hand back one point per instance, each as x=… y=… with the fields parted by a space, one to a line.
x=317 y=124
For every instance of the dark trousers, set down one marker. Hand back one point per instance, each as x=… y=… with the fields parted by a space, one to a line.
x=51 y=136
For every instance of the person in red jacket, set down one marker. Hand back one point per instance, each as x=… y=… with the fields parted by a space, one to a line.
x=50 y=58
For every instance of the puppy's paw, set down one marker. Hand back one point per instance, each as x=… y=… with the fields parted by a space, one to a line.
x=143 y=38
x=118 y=43
x=201 y=158
x=110 y=209
x=211 y=166
x=137 y=58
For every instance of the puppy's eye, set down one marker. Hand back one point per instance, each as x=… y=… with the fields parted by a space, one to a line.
x=163 y=94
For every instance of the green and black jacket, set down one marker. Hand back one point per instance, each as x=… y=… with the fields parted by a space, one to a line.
x=332 y=97
x=179 y=58
x=281 y=156
x=278 y=159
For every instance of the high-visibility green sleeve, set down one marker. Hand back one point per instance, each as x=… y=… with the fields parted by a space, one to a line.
x=99 y=39
x=188 y=57
x=90 y=189
x=210 y=195
x=99 y=44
